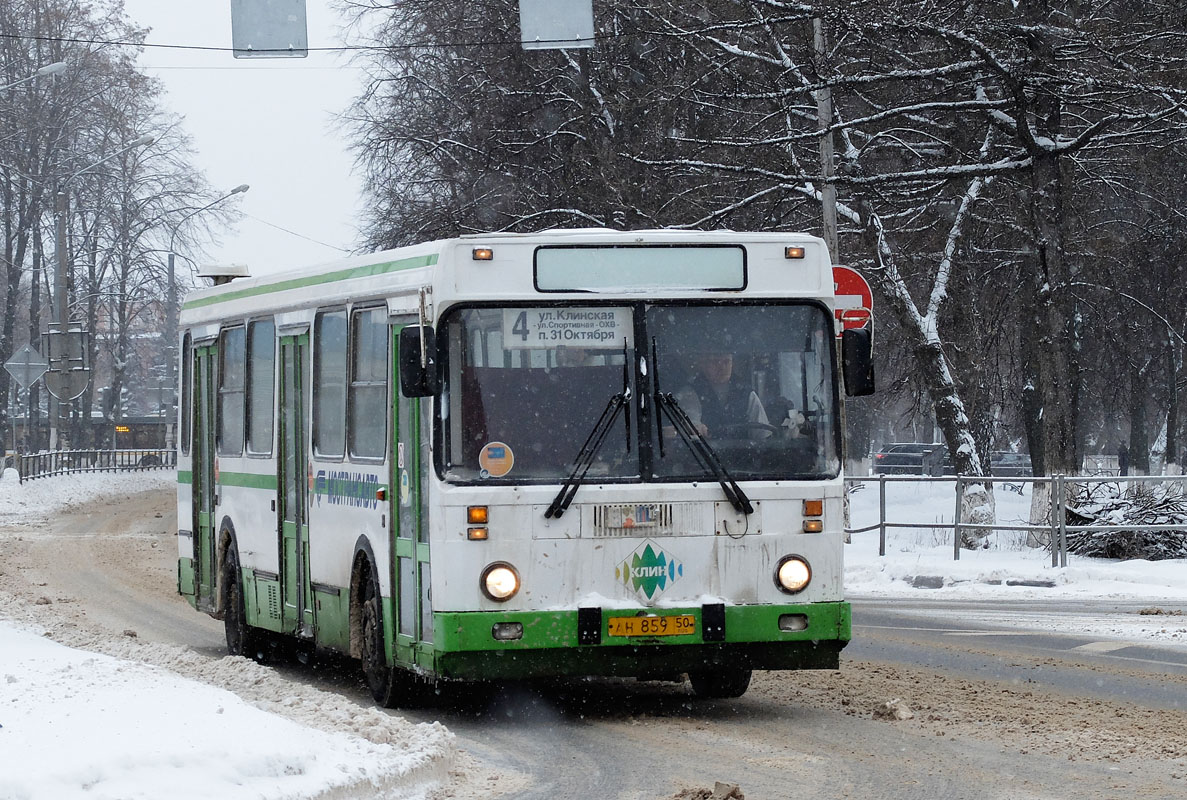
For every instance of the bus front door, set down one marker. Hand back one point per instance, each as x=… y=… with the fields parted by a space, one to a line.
x=204 y=475
x=292 y=464
x=414 y=613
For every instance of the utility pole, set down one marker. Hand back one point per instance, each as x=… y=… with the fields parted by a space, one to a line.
x=171 y=348
x=824 y=116
x=61 y=306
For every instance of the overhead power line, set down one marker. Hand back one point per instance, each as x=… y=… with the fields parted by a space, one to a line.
x=347 y=48
x=294 y=233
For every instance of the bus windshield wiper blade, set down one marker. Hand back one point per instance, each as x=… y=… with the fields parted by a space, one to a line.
x=617 y=405
x=589 y=451
x=705 y=454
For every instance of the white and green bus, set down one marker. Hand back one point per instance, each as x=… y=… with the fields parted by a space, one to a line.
x=576 y=452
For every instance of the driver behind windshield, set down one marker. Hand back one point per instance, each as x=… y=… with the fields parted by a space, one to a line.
x=720 y=405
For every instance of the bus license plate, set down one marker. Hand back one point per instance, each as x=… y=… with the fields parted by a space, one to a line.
x=675 y=625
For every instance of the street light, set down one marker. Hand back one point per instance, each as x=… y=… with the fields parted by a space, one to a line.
x=171 y=308
x=61 y=314
x=48 y=69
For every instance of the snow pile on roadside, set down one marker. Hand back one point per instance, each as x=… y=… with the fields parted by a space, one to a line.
x=35 y=500
x=135 y=719
x=1004 y=570
x=82 y=724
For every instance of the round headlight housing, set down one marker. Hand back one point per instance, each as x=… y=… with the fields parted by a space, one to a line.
x=500 y=581
x=793 y=574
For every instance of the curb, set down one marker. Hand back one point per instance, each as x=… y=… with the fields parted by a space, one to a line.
x=937 y=582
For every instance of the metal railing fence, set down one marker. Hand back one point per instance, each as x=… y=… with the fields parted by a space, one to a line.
x=1055 y=530
x=65 y=462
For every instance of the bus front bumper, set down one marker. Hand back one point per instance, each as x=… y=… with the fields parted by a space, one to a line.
x=579 y=642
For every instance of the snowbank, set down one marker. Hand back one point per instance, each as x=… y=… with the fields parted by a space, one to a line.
x=77 y=724
x=35 y=500
x=1002 y=571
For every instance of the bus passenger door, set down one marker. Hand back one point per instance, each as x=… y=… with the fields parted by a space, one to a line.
x=292 y=464
x=204 y=468
x=414 y=613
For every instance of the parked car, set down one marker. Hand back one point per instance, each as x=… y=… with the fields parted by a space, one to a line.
x=1004 y=464
x=912 y=458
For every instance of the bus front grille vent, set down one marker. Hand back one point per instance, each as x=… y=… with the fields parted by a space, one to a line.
x=641 y=519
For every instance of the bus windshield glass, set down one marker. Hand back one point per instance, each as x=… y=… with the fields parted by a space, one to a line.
x=527 y=385
x=755 y=380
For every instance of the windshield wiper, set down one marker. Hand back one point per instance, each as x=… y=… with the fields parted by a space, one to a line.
x=585 y=458
x=696 y=442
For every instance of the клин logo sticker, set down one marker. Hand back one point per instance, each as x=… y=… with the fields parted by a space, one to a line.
x=649 y=571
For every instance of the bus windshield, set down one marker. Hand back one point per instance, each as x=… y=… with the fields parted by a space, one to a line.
x=755 y=380
x=526 y=385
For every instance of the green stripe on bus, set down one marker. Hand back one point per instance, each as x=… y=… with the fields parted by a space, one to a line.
x=366 y=271
x=462 y=631
x=549 y=647
x=249 y=480
x=185 y=476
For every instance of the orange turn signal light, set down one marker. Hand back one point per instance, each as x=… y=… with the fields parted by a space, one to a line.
x=793 y=252
x=813 y=508
x=483 y=254
x=476 y=515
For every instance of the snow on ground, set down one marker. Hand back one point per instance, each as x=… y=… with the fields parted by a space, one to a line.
x=120 y=718
x=926 y=553
x=79 y=724
x=37 y=499
x=979 y=574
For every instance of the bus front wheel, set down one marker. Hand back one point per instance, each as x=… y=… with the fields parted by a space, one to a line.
x=242 y=638
x=720 y=683
x=381 y=677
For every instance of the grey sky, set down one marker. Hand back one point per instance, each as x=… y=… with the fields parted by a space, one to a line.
x=269 y=123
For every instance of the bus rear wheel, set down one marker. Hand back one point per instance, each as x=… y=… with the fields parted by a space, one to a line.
x=242 y=638
x=720 y=683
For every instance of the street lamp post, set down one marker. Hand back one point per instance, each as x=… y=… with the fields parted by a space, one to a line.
x=48 y=69
x=61 y=308
x=171 y=307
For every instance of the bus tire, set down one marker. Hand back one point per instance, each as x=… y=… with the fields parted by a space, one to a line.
x=722 y=682
x=381 y=676
x=242 y=638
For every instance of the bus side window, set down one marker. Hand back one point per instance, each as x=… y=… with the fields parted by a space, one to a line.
x=261 y=380
x=329 y=384
x=368 y=384
x=187 y=371
x=231 y=383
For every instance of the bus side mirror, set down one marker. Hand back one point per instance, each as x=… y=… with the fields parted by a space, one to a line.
x=417 y=379
x=857 y=361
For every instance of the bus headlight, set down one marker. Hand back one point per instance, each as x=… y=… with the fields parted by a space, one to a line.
x=499 y=581
x=793 y=574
